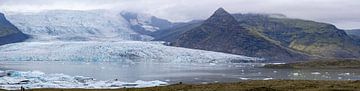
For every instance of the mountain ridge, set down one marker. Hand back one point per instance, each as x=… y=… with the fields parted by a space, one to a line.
x=304 y=37
x=223 y=33
x=9 y=33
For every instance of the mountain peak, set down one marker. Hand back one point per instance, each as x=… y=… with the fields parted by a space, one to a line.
x=221 y=16
x=221 y=11
x=1 y=14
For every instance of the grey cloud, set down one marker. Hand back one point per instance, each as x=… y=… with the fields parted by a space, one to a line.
x=343 y=13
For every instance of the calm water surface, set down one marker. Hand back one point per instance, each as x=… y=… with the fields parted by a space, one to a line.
x=177 y=72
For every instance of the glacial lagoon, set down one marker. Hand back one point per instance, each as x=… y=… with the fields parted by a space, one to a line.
x=177 y=72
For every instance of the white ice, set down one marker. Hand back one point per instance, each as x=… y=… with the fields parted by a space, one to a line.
x=125 y=51
x=36 y=79
x=74 y=25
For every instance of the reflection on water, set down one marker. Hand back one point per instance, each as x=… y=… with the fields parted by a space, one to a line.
x=173 y=73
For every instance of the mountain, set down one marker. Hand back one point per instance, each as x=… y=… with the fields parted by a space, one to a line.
x=314 y=38
x=261 y=34
x=72 y=25
x=68 y=35
x=173 y=33
x=223 y=33
x=354 y=33
x=9 y=33
x=145 y=23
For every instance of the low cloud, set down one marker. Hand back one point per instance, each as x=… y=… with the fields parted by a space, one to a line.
x=343 y=13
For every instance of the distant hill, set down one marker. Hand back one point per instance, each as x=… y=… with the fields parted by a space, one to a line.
x=355 y=34
x=272 y=36
x=315 y=38
x=9 y=33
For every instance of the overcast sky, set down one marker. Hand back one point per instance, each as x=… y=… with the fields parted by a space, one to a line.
x=343 y=13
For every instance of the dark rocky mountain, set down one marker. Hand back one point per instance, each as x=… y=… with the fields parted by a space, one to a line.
x=315 y=38
x=223 y=33
x=266 y=35
x=9 y=33
x=145 y=24
x=354 y=33
x=173 y=33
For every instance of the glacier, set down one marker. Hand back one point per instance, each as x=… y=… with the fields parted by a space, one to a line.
x=14 y=80
x=72 y=25
x=93 y=36
x=145 y=23
x=124 y=51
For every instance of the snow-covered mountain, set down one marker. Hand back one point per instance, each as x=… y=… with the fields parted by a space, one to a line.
x=145 y=23
x=75 y=25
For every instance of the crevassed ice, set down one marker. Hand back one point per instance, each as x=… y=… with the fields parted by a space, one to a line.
x=14 y=80
x=74 y=25
x=125 y=51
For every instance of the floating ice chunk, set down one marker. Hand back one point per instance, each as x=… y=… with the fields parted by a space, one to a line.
x=296 y=74
x=242 y=78
x=212 y=64
x=344 y=74
x=316 y=73
x=37 y=79
x=268 y=78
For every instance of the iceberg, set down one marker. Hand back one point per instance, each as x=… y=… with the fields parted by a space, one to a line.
x=14 y=80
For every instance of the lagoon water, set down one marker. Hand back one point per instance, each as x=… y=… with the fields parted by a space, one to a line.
x=178 y=72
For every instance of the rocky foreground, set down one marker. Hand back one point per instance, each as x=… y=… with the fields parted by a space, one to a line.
x=270 y=85
x=319 y=64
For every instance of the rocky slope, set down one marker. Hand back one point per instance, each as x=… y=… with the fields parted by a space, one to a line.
x=223 y=33
x=355 y=34
x=9 y=33
x=315 y=38
x=174 y=32
x=270 y=35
